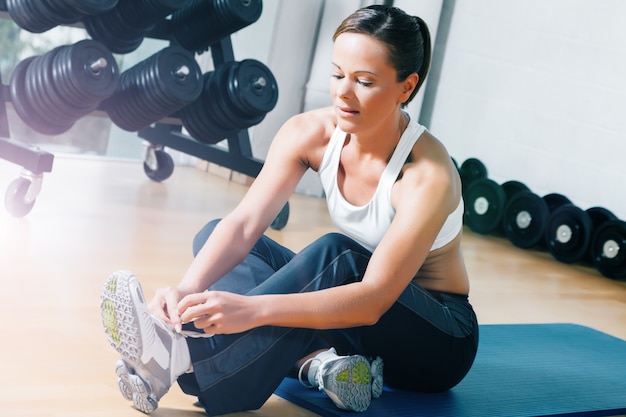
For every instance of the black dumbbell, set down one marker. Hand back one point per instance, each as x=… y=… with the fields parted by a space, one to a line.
x=123 y=28
x=599 y=216
x=52 y=91
x=485 y=202
x=608 y=249
x=568 y=233
x=203 y=22
x=470 y=170
x=235 y=96
x=524 y=219
x=38 y=16
x=155 y=88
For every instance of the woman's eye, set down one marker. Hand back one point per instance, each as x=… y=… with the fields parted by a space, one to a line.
x=337 y=76
x=365 y=83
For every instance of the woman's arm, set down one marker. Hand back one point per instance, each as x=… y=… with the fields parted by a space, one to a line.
x=425 y=196
x=424 y=202
x=234 y=236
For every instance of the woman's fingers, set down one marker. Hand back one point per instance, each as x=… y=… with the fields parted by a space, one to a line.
x=217 y=312
x=171 y=309
x=164 y=305
x=157 y=306
x=194 y=306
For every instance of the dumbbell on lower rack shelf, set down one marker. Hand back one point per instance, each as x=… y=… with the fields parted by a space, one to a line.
x=52 y=91
x=155 y=88
x=235 y=96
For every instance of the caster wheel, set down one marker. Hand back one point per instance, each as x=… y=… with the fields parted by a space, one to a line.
x=15 y=198
x=162 y=168
x=281 y=220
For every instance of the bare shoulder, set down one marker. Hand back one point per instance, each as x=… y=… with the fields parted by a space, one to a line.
x=431 y=170
x=429 y=160
x=309 y=133
x=313 y=124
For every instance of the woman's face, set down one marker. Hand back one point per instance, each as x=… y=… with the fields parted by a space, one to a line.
x=363 y=84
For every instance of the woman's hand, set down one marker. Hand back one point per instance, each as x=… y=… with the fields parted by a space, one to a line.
x=219 y=312
x=164 y=305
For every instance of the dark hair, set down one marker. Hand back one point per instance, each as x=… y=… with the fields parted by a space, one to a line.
x=407 y=38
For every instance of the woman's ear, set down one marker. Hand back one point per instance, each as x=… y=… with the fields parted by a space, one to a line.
x=408 y=85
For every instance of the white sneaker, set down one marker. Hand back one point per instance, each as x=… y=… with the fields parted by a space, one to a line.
x=153 y=355
x=351 y=382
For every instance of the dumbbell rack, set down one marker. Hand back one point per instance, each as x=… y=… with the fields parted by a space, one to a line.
x=158 y=164
x=237 y=156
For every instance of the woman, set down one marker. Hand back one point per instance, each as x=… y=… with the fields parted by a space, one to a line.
x=393 y=285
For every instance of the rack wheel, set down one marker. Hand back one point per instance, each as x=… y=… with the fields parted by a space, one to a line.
x=17 y=200
x=158 y=165
x=281 y=220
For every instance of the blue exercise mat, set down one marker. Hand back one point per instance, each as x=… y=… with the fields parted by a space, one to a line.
x=521 y=370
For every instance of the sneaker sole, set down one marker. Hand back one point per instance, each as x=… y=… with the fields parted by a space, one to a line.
x=349 y=383
x=135 y=389
x=120 y=318
x=376 y=369
x=121 y=326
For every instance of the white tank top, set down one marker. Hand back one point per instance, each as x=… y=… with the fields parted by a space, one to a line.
x=367 y=224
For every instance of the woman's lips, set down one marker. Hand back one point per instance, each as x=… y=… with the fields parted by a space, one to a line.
x=346 y=111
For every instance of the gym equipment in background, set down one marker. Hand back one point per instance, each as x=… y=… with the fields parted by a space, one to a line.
x=156 y=98
x=38 y=16
x=51 y=91
x=470 y=170
x=123 y=28
x=524 y=219
x=608 y=249
x=235 y=96
x=201 y=23
x=155 y=88
x=595 y=236
x=568 y=233
x=485 y=201
x=484 y=204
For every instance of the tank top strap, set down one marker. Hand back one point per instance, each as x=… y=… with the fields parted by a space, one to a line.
x=407 y=140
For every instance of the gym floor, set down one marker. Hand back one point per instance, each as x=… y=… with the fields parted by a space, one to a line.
x=95 y=216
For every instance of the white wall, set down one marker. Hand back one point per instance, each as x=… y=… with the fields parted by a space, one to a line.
x=292 y=42
x=536 y=90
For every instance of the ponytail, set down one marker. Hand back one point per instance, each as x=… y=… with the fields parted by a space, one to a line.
x=427 y=51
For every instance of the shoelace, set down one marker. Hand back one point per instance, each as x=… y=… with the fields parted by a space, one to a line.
x=196 y=335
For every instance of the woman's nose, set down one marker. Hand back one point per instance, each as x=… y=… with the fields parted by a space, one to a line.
x=343 y=87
